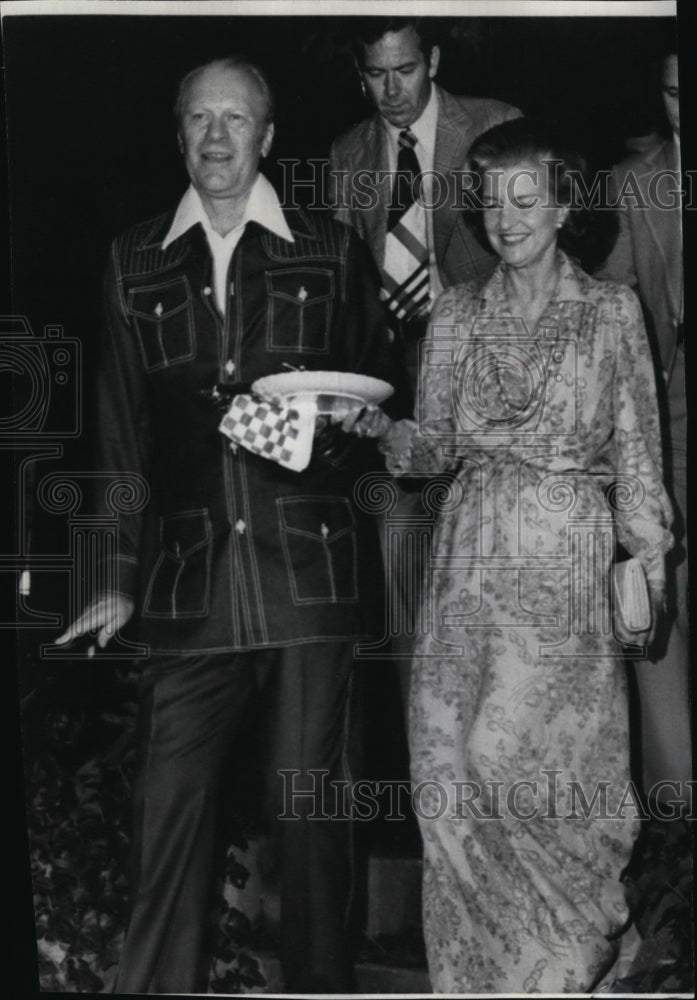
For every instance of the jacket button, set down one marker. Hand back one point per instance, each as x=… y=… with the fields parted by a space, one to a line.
x=207 y=290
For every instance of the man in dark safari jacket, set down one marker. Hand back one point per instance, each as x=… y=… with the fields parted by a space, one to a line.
x=239 y=571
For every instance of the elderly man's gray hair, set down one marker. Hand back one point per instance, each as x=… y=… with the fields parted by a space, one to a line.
x=231 y=62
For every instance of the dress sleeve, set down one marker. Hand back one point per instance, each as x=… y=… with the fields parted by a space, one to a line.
x=643 y=511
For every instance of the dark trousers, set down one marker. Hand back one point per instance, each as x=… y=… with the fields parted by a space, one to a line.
x=191 y=708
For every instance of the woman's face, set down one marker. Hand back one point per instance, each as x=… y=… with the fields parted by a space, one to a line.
x=520 y=217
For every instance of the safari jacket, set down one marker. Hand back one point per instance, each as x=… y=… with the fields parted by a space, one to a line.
x=232 y=551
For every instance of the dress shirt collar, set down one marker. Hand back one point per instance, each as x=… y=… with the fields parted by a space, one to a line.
x=263 y=207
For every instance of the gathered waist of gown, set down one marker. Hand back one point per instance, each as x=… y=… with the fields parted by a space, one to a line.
x=531 y=468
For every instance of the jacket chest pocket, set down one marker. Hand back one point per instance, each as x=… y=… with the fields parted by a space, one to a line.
x=319 y=544
x=299 y=309
x=180 y=581
x=163 y=318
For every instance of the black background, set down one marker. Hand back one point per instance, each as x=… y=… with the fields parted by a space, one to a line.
x=92 y=137
x=92 y=148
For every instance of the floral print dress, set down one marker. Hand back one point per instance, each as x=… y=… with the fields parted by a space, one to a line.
x=548 y=448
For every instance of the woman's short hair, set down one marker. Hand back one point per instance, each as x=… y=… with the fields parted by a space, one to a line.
x=525 y=141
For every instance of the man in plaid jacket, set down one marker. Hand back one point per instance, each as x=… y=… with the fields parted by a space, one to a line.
x=239 y=572
x=397 y=59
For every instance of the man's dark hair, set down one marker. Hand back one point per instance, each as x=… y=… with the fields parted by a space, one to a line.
x=231 y=62
x=369 y=30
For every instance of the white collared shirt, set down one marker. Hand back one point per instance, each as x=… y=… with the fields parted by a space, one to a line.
x=424 y=128
x=262 y=206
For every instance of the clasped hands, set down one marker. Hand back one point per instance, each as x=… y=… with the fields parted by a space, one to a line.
x=110 y=612
x=362 y=420
x=351 y=415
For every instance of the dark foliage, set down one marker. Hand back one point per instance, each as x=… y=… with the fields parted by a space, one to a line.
x=659 y=885
x=78 y=791
x=80 y=760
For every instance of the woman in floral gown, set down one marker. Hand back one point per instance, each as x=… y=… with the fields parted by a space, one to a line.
x=537 y=407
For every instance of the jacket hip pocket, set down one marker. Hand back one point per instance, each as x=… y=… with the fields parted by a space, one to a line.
x=299 y=310
x=319 y=545
x=163 y=318
x=179 y=585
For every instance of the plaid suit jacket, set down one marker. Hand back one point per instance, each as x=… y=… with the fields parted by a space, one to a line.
x=362 y=151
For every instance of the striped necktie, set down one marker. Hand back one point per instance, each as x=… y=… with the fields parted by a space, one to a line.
x=405 y=271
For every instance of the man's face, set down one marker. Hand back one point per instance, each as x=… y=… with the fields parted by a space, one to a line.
x=224 y=132
x=671 y=93
x=397 y=77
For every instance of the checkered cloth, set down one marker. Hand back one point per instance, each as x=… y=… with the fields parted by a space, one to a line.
x=282 y=434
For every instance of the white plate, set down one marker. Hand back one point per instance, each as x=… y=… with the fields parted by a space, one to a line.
x=346 y=385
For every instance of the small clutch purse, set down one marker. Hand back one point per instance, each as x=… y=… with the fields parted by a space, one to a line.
x=631 y=595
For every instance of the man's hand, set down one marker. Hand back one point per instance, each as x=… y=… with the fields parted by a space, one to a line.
x=657 y=597
x=367 y=421
x=105 y=616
